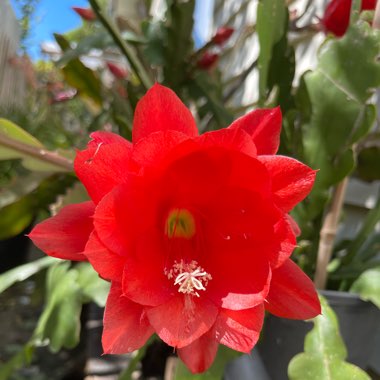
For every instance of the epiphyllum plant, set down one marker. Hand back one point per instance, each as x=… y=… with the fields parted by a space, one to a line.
x=192 y=231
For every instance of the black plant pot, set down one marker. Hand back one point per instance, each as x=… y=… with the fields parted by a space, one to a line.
x=14 y=251
x=282 y=339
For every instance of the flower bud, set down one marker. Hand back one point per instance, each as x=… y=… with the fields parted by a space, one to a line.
x=208 y=60
x=337 y=15
x=86 y=13
x=117 y=71
x=222 y=35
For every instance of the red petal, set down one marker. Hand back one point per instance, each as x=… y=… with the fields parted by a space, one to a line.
x=144 y=280
x=287 y=242
x=240 y=242
x=106 y=138
x=264 y=126
x=243 y=288
x=292 y=294
x=235 y=139
x=65 y=234
x=291 y=180
x=125 y=213
x=104 y=164
x=151 y=150
x=126 y=327
x=109 y=265
x=161 y=110
x=183 y=319
x=240 y=330
x=199 y=355
x=294 y=226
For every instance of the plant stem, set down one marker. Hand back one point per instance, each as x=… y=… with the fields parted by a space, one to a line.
x=171 y=368
x=376 y=18
x=123 y=46
x=328 y=233
x=127 y=374
x=36 y=152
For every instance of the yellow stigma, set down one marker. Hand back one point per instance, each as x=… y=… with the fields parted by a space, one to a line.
x=180 y=223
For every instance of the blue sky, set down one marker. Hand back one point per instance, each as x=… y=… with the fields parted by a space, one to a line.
x=52 y=16
x=56 y=16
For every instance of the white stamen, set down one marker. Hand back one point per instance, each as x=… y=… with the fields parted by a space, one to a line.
x=190 y=277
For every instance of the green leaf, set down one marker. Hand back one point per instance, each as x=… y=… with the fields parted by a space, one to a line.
x=156 y=34
x=282 y=69
x=99 y=40
x=179 y=42
x=92 y=286
x=59 y=324
x=25 y=271
x=13 y=131
x=270 y=26
x=19 y=187
x=368 y=286
x=338 y=92
x=325 y=352
x=15 y=217
x=81 y=77
x=369 y=158
x=215 y=372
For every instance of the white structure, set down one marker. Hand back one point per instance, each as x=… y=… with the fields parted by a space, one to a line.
x=12 y=68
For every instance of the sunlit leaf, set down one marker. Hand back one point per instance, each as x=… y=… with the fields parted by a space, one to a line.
x=368 y=286
x=59 y=324
x=13 y=131
x=325 y=353
x=338 y=92
x=92 y=286
x=25 y=271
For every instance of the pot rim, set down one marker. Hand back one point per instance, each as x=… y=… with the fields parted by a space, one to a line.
x=337 y=297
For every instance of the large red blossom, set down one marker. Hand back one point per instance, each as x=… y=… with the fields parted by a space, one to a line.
x=191 y=230
x=337 y=15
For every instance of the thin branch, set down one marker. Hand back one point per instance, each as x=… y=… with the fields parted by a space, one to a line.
x=123 y=46
x=376 y=18
x=328 y=233
x=240 y=80
x=36 y=152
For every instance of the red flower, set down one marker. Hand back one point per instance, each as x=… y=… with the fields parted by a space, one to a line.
x=86 y=13
x=192 y=231
x=208 y=60
x=222 y=35
x=337 y=15
x=117 y=71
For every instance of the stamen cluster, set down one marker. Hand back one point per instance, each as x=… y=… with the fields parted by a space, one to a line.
x=189 y=276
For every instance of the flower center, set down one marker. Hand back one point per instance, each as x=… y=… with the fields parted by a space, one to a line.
x=189 y=276
x=180 y=223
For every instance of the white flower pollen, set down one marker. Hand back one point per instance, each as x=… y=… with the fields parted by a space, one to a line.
x=189 y=276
